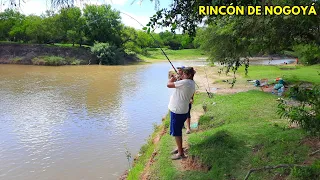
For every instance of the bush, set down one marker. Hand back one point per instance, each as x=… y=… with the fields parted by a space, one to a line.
x=108 y=54
x=310 y=172
x=308 y=53
x=49 y=60
x=307 y=112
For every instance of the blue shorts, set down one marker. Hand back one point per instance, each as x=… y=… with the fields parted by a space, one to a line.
x=189 y=116
x=176 y=123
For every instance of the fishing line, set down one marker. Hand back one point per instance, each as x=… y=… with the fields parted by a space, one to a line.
x=209 y=93
x=154 y=40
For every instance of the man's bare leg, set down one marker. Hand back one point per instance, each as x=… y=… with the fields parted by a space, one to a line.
x=188 y=131
x=179 y=144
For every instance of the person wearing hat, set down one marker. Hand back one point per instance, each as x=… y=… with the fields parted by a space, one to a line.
x=179 y=106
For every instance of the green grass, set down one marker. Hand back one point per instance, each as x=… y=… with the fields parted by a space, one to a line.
x=16 y=59
x=163 y=168
x=184 y=54
x=239 y=132
x=145 y=153
x=298 y=73
x=55 y=61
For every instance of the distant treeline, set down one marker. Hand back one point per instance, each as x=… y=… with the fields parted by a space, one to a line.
x=89 y=26
x=93 y=23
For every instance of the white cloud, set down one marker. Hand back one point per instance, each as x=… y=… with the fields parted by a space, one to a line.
x=117 y=2
x=100 y=2
x=36 y=7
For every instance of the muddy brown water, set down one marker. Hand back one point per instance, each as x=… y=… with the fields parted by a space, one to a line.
x=77 y=122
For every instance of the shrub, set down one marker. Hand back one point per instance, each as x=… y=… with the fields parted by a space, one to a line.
x=310 y=172
x=75 y=62
x=307 y=112
x=49 y=60
x=107 y=54
x=308 y=53
x=17 y=60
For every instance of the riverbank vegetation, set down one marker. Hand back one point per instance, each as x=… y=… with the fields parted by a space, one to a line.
x=228 y=39
x=92 y=27
x=155 y=54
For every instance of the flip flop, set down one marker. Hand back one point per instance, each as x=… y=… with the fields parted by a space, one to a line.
x=176 y=150
x=177 y=157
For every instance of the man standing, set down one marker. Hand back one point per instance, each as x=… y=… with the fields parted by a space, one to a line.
x=179 y=106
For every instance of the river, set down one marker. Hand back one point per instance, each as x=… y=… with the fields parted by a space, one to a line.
x=77 y=122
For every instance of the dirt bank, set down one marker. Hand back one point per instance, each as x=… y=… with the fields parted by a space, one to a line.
x=24 y=53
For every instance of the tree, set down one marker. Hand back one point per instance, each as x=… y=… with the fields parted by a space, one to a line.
x=107 y=54
x=102 y=24
x=69 y=20
x=8 y=19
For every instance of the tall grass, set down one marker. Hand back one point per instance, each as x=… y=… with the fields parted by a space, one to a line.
x=55 y=61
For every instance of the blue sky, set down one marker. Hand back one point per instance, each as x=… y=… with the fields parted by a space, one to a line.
x=137 y=9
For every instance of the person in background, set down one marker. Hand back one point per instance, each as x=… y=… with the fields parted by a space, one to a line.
x=180 y=72
x=179 y=106
x=188 y=121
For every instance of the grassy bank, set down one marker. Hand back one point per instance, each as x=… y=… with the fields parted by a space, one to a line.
x=240 y=132
x=155 y=54
x=55 y=61
x=237 y=133
x=146 y=152
x=288 y=73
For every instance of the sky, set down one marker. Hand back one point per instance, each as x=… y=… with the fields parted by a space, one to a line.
x=140 y=10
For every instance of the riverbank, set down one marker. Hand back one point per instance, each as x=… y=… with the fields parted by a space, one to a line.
x=42 y=54
x=155 y=54
x=240 y=135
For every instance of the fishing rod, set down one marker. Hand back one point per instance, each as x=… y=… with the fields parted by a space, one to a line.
x=154 y=40
x=209 y=93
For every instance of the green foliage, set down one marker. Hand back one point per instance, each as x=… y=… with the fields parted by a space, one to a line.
x=103 y=24
x=306 y=173
x=308 y=54
x=70 y=23
x=155 y=54
x=107 y=54
x=75 y=62
x=307 y=112
x=8 y=19
x=296 y=74
x=49 y=60
x=72 y=36
x=238 y=132
x=17 y=59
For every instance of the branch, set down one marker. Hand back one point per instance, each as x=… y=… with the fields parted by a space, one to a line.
x=315 y=152
x=272 y=167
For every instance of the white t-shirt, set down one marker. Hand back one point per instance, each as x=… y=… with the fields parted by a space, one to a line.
x=180 y=99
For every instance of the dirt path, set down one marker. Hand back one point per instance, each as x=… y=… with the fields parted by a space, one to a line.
x=190 y=163
x=208 y=78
